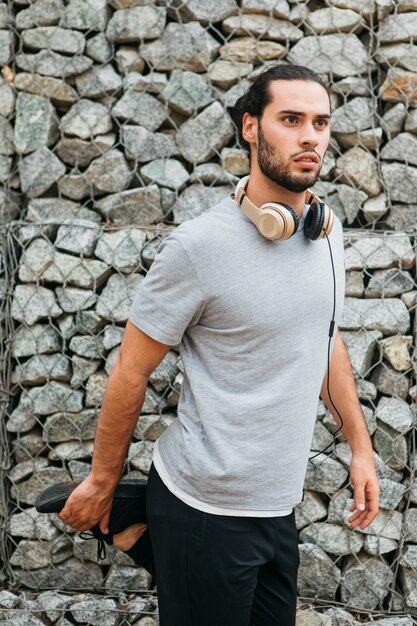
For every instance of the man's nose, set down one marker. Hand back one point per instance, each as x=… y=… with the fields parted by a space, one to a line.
x=308 y=136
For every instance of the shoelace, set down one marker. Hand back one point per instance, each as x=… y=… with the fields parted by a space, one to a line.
x=101 y=544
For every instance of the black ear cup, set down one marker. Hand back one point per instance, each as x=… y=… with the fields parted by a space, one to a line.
x=313 y=222
x=293 y=213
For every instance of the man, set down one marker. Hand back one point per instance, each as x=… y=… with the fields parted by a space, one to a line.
x=251 y=318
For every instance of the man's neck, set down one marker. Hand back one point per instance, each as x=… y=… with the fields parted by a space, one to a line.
x=261 y=190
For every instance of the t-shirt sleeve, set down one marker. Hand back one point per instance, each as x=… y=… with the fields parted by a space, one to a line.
x=170 y=297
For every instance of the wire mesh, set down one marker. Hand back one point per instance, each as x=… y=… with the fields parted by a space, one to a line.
x=115 y=120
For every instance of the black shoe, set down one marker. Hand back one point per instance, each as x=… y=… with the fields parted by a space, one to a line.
x=129 y=507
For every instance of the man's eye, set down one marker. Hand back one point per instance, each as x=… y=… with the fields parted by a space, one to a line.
x=290 y=117
x=323 y=123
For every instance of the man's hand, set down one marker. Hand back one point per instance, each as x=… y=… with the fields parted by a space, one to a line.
x=87 y=505
x=366 y=490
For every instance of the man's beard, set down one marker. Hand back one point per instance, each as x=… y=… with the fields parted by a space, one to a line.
x=271 y=164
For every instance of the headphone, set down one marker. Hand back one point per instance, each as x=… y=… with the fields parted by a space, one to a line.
x=276 y=220
x=279 y=221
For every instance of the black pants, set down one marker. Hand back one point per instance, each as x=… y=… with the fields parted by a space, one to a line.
x=219 y=570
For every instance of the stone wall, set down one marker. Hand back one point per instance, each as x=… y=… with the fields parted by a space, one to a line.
x=116 y=127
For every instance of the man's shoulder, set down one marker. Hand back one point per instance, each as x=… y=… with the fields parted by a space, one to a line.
x=203 y=227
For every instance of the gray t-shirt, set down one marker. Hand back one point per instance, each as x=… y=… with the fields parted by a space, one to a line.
x=251 y=317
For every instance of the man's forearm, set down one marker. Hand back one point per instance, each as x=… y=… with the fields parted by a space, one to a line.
x=122 y=402
x=345 y=397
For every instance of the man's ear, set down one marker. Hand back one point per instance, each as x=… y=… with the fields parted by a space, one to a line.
x=250 y=128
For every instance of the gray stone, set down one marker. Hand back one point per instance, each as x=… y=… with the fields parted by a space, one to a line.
x=32 y=525
x=396 y=413
x=391 y=446
x=5 y=168
x=136 y=24
x=140 y=455
x=6 y=137
x=377 y=546
x=36 y=339
x=398 y=54
x=86 y=15
x=361 y=346
x=72 y=300
x=358 y=168
x=128 y=60
x=309 y=617
x=390 y=316
x=27 y=447
x=99 y=48
x=121 y=249
x=410 y=525
x=399 y=86
x=85 y=119
x=142 y=145
x=366 y=581
x=352 y=86
x=6 y=16
x=75 y=186
x=400 y=181
x=309 y=510
x=226 y=73
x=389 y=381
x=321 y=437
x=375 y=208
x=211 y=174
x=41 y=368
x=333 y=538
x=41 y=261
x=7 y=98
x=410 y=119
x=21 y=419
x=32 y=303
x=78 y=236
x=56 y=89
x=95 y=387
x=40 y=13
x=109 y=173
x=39 y=170
x=150 y=427
x=251 y=50
x=23 y=470
x=357 y=114
x=71 y=450
x=54 y=38
x=27 y=491
x=50 y=63
x=396 y=350
x=80 y=153
x=166 y=173
x=98 y=81
x=352 y=200
x=391 y=493
x=6 y=46
x=9 y=206
x=340 y=617
x=113 y=336
x=402 y=148
x=129 y=578
x=117 y=297
x=213 y=127
x=392 y=121
x=164 y=374
x=262 y=26
x=334 y=20
x=369 y=139
x=8 y=600
x=140 y=206
x=69 y=574
x=187 y=92
x=36 y=123
x=196 y=199
x=57 y=210
x=61 y=427
x=53 y=604
x=340 y=55
x=389 y=283
x=54 y=396
x=400 y=27
x=324 y=474
x=204 y=11
x=317 y=574
x=87 y=550
x=392 y=250
x=402 y=217
x=182 y=46
x=152 y=83
x=141 y=108
x=88 y=347
x=82 y=369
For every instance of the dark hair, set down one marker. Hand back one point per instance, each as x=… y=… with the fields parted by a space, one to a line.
x=255 y=99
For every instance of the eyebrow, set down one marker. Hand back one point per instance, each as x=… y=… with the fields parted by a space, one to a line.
x=321 y=115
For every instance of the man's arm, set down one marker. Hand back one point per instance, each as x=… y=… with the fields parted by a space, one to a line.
x=123 y=398
x=362 y=468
